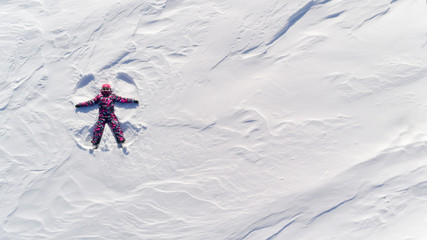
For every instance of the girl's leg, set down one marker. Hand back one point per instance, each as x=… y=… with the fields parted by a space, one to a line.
x=115 y=127
x=98 y=130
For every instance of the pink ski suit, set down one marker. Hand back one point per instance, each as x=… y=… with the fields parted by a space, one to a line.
x=106 y=115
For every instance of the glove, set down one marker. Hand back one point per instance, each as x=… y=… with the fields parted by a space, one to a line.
x=77 y=106
x=136 y=101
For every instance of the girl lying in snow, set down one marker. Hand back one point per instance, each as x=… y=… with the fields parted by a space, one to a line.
x=106 y=101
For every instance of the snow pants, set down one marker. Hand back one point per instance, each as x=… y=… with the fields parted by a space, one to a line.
x=113 y=122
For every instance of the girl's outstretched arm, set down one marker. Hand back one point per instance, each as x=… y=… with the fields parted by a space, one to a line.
x=125 y=100
x=89 y=103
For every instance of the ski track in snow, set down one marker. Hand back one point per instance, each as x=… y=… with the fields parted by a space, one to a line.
x=280 y=120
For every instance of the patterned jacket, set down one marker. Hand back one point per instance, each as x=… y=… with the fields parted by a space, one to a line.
x=106 y=103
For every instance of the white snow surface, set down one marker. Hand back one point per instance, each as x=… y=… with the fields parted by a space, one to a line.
x=274 y=119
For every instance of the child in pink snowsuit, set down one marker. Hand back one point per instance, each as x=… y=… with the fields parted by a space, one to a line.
x=106 y=101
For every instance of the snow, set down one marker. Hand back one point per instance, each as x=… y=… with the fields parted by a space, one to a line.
x=257 y=119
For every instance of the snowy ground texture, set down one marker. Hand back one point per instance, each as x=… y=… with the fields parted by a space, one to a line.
x=272 y=119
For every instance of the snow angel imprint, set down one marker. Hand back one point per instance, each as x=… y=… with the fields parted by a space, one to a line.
x=106 y=101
